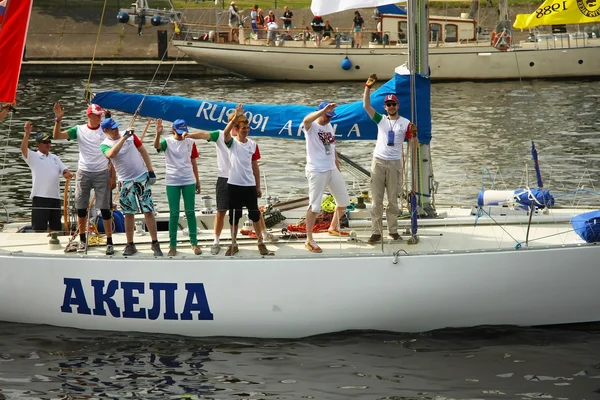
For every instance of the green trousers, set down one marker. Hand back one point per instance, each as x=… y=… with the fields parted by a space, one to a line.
x=174 y=194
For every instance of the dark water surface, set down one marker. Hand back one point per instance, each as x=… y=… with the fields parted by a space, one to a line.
x=477 y=128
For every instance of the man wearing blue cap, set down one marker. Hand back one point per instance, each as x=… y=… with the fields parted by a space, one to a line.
x=135 y=172
x=46 y=169
x=322 y=171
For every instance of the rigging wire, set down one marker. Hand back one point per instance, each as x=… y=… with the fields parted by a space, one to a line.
x=87 y=85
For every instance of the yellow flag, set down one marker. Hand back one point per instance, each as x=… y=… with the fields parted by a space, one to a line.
x=557 y=12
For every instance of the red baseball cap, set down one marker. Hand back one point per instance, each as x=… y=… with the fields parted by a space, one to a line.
x=94 y=109
x=390 y=97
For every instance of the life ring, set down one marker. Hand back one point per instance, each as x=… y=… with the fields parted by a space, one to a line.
x=501 y=40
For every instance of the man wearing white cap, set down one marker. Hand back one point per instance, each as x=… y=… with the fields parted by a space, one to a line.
x=386 y=167
x=92 y=171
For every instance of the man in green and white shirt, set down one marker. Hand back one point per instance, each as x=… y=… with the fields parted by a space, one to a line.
x=93 y=171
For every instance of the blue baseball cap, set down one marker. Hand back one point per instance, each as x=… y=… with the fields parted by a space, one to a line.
x=325 y=104
x=109 y=123
x=42 y=137
x=180 y=126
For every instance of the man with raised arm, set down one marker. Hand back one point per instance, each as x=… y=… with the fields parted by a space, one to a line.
x=243 y=184
x=322 y=171
x=386 y=167
x=223 y=167
x=134 y=169
x=46 y=170
x=93 y=171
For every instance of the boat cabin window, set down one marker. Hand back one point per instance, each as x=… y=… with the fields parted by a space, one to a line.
x=434 y=32
x=451 y=33
x=402 y=29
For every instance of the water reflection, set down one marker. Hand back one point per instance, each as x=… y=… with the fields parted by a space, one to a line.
x=481 y=132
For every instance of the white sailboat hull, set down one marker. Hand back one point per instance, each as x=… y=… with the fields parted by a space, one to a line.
x=296 y=293
x=447 y=63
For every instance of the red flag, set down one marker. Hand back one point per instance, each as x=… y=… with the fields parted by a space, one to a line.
x=13 y=31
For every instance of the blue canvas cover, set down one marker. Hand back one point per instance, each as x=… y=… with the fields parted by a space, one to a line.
x=351 y=121
x=541 y=198
x=587 y=226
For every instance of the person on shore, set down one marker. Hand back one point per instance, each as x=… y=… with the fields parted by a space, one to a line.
x=287 y=18
x=46 y=170
x=327 y=30
x=386 y=167
x=243 y=184
x=223 y=168
x=182 y=180
x=234 y=21
x=93 y=172
x=272 y=29
x=317 y=26
x=260 y=22
x=357 y=27
x=322 y=171
x=134 y=170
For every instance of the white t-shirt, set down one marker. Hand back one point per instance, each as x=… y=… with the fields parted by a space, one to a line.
x=241 y=156
x=317 y=159
x=223 y=161
x=178 y=157
x=128 y=162
x=46 y=171
x=91 y=159
x=384 y=125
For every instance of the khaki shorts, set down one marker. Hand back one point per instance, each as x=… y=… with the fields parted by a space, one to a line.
x=85 y=182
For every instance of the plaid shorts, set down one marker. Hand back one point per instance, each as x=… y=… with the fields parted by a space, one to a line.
x=136 y=196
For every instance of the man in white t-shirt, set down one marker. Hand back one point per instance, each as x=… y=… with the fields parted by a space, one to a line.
x=243 y=183
x=134 y=170
x=223 y=166
x=322 y=171
x=46 y=170
x=93 y=171
x=386 y=167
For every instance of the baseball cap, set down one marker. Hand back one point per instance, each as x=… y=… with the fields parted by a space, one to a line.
x=325 y=104
x=94 y=109
x=109 y=123
x=390 y=97
x=40 y=137
x=180 y=126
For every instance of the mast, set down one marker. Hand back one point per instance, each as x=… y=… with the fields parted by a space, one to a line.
x=418 y=50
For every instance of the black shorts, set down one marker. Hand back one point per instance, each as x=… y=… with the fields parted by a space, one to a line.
x=45 y=212
x=222 y=194
x=240 y=197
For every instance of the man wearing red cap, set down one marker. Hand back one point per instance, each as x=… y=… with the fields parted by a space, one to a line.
x=92 y=171
x=386 y=167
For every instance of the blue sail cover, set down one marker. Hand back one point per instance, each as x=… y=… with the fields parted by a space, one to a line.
x=534 y=197
x=283 y=121
x=587 y=226
x=391 y=9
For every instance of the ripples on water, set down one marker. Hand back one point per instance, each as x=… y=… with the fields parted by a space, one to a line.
x=40 y=362
x=477 y=127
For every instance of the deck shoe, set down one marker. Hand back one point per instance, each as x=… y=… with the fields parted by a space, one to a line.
x=196 y=249
x=129 y=249
x=269 y=237
x=375 y=238
x=313 y=247
x=335 y=232
x=262 y=249
x=156 y=249
x=395 y=236
x=215 y=249
x=81 y=247
x=172 y=252
x=110 y=250
x=231 y=250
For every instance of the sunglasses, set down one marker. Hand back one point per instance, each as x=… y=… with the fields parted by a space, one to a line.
x=46 y=141
x=391 y=104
